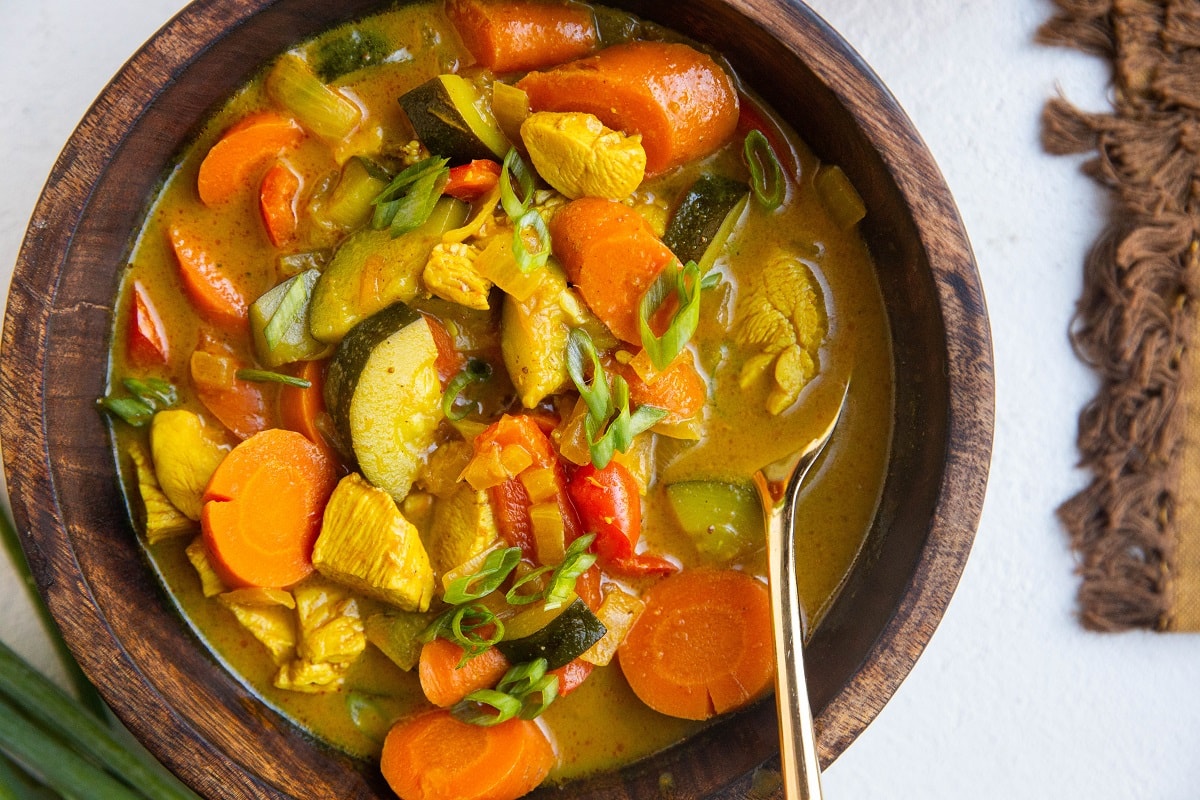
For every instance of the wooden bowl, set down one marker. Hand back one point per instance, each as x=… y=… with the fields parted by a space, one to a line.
x=130 y=640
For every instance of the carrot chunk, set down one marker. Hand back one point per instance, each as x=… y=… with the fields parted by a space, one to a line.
x=434 y=756
x=703 y=644
x=612 y=255
x=262 y=509
x=519 y=35
x=244 y=148
x=239 y=405
x=444 y=682
x=277 y=195
x=681 y=102
x=302 y=409
x=211 y=291
x=147 y=338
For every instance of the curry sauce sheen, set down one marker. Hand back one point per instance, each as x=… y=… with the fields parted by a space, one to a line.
x=764 y=397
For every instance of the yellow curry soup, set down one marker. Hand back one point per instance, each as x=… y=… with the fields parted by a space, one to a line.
x=439 y=375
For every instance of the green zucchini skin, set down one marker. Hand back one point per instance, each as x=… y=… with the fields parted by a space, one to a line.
x=561 y=641
x=352 y=356
x=697 y=221
x=445 y=114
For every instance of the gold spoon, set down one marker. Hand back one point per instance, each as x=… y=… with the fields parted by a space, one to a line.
x=778 y=487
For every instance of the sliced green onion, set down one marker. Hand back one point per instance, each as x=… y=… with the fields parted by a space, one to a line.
x=289 y=311
x=266 y=376
x=524 y=681
x=766 y=173
x=529 y=260
x=575 y=562
x=712 y=280
x=496 y=567
x=154 y=391
x=596 y=394
x=514 y=169
x=130 y=409
x=486 y=707
x=604 y=441
x=148 y=396
x=517 y=598
x=409 y=199
x=686 y=283
x=460 y=625
x=476 y=371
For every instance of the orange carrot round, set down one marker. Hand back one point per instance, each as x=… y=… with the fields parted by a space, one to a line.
x=519 y=35
x=610 y=252
x=680 y=100
x=262 y=509
x=211 y=291
x=245 y=147
x=434 y=756
x=444 y=682
x=703 y=644
x=277 y=196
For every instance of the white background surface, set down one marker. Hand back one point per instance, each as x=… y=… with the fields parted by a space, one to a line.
x=1011 y=699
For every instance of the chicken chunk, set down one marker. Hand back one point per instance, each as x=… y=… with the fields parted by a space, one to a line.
x=186 y=451
x=163 y=519
x=368 y=545
x=451 y=275
x=269 y=616
x=781 y=323
x=463 y=526
x=578 y=156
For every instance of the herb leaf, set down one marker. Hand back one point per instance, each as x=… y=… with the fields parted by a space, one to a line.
x=409 y=199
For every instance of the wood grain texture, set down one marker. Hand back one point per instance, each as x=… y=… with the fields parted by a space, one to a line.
x=127 y=635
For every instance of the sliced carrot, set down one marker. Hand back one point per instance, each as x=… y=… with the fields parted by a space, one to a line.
x=680 y=100
x=469 y=181
x=302 y=410
x=209 y=288
x=445 y=682
x=610 y=252
x=449 y=361
x=703 y=644
x=434 y=756
x=228 y=167
x=519 y=35
x=239 y=405
x=147 y=339
x=679 y=389
x=262 y=509
x=277 y=197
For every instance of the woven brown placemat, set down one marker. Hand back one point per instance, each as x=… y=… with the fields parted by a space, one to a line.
x=1135 y=528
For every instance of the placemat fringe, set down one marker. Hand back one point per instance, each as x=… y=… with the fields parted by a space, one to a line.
x=1135 y=316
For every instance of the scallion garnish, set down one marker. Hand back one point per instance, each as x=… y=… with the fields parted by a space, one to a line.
x=594 y=394
x=514 y=695
x=685 y=283
x=409 y=199
x=531 y=227
x=461 y=625
x=496 y=567
x=145 y=398
x=476 y=371
x=575 y=562
x=474 y=708
x=514 y=597
x=514 y=169
x=289 y=311
x=609 y=425
x=766 y=173
x=266 y=376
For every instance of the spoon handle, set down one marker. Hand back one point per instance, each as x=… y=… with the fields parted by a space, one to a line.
x=797 y=738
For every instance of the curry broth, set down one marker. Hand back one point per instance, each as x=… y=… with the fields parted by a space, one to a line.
x=601 y=725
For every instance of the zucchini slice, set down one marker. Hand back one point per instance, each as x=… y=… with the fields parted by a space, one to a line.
x=566 y=635
x=724 y=520
x=383 y=393
x=449 y=117
x=704 y=218
x=371 y=270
